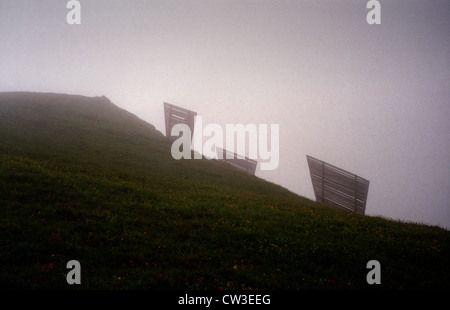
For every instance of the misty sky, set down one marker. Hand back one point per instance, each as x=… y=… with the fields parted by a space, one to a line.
x=371 y=99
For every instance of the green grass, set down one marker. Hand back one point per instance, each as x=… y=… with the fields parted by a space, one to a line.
x=81 y=179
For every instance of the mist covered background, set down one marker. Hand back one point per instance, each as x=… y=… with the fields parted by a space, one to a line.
x=371 y=99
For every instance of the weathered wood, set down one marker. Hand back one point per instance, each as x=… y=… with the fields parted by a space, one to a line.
x=178 y=115
x=242 y=163
x=338 y=187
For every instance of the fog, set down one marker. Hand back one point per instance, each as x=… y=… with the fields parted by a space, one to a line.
x=371 y=99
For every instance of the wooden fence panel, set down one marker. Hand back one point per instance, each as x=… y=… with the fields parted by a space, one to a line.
x=335 y=186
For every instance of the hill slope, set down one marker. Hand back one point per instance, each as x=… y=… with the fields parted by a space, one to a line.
x=83 y=179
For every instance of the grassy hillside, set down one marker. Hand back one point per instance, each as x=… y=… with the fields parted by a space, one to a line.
x=82 y=179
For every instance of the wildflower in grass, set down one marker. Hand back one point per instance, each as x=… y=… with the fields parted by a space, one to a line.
x=47 y=267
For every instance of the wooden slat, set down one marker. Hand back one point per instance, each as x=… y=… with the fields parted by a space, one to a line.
x=174 y=121
x=174 y=107
x=180 y=114
x=242 y=163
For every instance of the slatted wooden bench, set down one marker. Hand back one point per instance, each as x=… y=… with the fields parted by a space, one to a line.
x=177 y=115
x=337 y=187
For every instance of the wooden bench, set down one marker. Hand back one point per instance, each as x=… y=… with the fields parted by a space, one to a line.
x=338 y=187
x=177 y=115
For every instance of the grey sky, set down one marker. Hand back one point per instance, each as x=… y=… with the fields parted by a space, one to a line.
x=371 y=99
